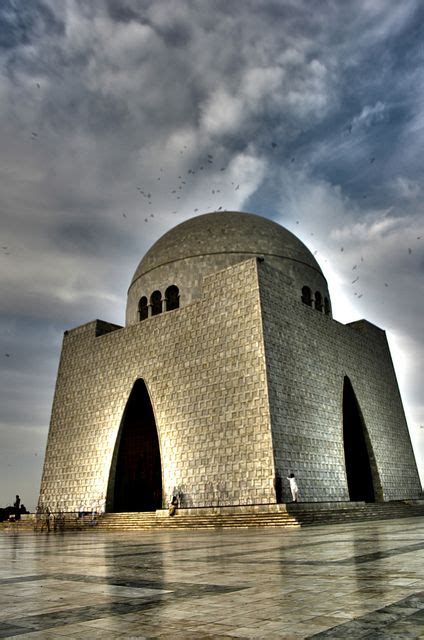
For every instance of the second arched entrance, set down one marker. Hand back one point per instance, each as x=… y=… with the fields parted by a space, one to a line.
x=361 y=473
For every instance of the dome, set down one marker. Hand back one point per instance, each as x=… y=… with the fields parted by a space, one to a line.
x=227 y=232
x=212 y=241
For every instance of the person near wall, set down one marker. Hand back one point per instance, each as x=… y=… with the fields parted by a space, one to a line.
x=293 y=487
x=172 y=507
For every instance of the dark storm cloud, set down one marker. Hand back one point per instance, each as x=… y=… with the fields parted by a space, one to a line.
x=312 y=117
x=175 y=34
x=23 y=23
x=26 y=363
x=124 y=11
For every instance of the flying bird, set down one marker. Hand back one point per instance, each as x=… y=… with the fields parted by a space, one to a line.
x=409 y=251
x=273 y=145
x=372 y=160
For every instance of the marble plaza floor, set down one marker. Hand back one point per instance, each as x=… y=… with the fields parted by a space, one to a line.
x=363 y=580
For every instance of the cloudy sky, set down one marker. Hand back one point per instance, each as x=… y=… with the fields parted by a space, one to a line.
x=120 y=119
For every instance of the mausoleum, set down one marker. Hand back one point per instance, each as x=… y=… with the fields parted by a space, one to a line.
x=229 y=374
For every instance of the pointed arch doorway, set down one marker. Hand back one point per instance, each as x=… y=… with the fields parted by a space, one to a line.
x=361 y=470
x=135 y=481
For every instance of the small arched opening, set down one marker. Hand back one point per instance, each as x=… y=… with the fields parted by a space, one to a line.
x=143 y=308
x=135 y=480
x=156 y=303
x=306 y=296
x=318 y=301
x=172 y=297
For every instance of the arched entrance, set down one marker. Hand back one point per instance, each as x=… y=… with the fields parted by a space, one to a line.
x=135 y=482
x=361 y=471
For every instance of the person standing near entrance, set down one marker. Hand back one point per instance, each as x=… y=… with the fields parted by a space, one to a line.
x=293 y=487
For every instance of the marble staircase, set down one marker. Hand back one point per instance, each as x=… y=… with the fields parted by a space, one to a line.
x=290 y=515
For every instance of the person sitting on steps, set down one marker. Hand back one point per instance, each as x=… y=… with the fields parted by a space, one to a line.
x=172 y=507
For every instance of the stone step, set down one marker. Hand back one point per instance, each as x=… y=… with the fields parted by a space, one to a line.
x=292 y=516
x=212 y=518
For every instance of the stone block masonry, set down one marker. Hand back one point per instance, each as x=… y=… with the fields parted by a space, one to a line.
x=308 y=355
x=249 y=379
x=205 y=371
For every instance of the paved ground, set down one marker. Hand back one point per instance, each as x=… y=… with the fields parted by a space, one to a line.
x=340 y=581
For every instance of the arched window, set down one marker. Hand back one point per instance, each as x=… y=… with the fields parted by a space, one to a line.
x=143 y=309
x=172 y=297
x=306 y=296
x=156 y=302
x=327 y=308
x=318 y=301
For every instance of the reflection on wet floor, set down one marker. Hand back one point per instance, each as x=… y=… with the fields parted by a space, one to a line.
x=362 y=580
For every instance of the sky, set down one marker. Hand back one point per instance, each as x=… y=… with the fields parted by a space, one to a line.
x=121 y=119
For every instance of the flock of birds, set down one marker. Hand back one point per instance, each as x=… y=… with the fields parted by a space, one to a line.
x=183 y=183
